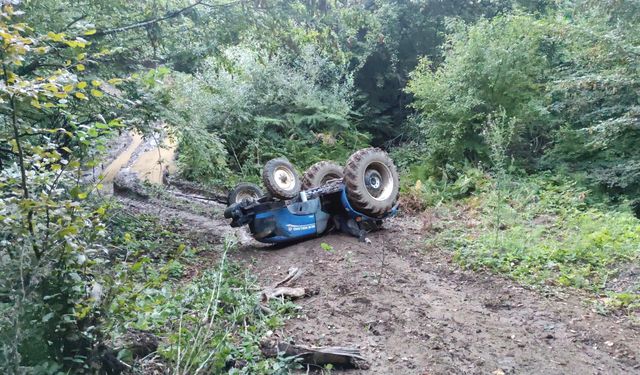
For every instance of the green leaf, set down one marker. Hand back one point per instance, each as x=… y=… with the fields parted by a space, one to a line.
x=56 y=37
x=48 y=317
x=326 y=247
x=71 y=229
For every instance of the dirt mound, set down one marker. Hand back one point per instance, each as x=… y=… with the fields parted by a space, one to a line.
x=128 y=183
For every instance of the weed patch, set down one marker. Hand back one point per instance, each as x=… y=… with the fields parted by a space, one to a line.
x=542 y=232
x=211 y=323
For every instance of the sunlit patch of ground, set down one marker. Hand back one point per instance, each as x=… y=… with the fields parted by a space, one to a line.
x=148 y=164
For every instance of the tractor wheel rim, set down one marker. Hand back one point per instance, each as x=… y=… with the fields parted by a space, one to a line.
x=329 y=177
x=379 y=181
x=246 y=195
x=284 y=178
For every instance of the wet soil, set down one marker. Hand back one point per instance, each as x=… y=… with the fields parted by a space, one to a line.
x=146 y=156
x=150 y=164
x=131 y=142
x=413 y=311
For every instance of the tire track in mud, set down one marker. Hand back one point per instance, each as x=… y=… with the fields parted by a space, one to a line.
x=147 y=157
x=123 y=158
x=428 y=317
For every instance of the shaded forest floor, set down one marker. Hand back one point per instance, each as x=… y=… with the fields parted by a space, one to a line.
x=409 y=308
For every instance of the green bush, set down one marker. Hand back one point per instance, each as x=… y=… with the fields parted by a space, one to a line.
x=177 y=100
x=51 y=228
x=493 y=66
x=262 y=106
x=595 y=95
x=213 y=321
x=568 y=81
x=454 y=183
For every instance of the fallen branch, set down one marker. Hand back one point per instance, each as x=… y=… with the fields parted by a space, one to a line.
x=195 y=196
x=187 y=187
x=334 y=355
x=286 y=292
x=292 y=276
x=284 y=288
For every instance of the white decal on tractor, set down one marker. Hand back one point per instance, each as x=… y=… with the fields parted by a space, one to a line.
x=296 y=228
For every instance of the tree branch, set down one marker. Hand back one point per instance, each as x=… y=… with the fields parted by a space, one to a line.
x=21 y=162
x=73 y=22
x=152 y=21
x=35 y=64
x=8 y=151
x=145 y=23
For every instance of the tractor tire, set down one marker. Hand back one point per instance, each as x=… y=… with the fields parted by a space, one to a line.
x=281 y=179
x=244 y=191
x=319 y=173
x=372 y=182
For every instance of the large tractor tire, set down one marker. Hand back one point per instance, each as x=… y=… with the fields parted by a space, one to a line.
x=281 y=179
x=244 y=191
x=371 y=181
x=319 y=173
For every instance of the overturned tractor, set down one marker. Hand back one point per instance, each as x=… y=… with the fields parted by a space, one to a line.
x=354 y=199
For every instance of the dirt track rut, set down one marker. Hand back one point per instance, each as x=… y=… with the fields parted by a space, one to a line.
x=428 y=317
x=416 y=312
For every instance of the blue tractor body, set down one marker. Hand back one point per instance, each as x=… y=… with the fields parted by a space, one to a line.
x=311 y=214
x=291 y=222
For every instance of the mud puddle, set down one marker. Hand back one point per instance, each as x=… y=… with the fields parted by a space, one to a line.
x=122 y=160
x=147 y=156
x=151 y=163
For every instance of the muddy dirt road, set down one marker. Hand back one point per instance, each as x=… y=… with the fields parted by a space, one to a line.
x=415 y=312
x=412 y=311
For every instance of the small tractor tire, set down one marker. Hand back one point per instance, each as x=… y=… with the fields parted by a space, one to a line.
x=319 y=173
x=281 y=179
x=244 y=191
x=372 y=182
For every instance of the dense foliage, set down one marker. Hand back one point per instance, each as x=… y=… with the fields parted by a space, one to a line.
x=493 y=66
x=263 y=106
x=567 y=79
